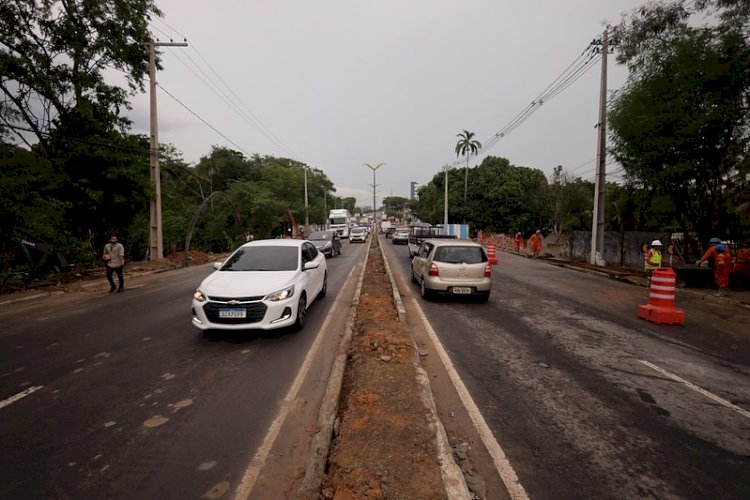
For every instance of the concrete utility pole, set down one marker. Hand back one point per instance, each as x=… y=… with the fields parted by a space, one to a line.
x=374 y=208
x=445 y=202
x=598 y=224
x=155 y=242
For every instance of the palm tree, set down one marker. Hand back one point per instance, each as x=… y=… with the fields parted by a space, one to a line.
x=466 y=146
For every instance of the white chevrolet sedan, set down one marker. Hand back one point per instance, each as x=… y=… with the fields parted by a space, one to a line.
x=264 y=284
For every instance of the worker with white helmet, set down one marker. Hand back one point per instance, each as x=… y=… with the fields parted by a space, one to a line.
x=652 y=260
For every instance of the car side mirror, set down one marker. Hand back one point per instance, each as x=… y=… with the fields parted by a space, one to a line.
x=310 y=265
x=217 y=265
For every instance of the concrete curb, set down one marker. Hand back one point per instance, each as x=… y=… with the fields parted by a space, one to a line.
x=321 y=442
x=453 y=478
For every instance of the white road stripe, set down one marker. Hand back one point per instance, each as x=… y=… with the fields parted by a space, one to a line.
x=502 y=464
x=20 y=395
x=250 y=477
x=700 y=390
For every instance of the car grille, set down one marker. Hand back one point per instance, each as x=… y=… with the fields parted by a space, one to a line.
x=238 y=299
x=255 y=313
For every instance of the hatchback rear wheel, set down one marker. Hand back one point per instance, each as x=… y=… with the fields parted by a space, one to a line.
x=426 y=294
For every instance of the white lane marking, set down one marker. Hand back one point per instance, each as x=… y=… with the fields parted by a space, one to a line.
x=20 y=395
x=252 y=472
x=700 y=390
x=502 y=464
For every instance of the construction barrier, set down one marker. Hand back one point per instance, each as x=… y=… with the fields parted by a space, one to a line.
x=492 y=253
x=661 y=308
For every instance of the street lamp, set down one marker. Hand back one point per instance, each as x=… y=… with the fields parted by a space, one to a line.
x=373 y=185
x=307 y=220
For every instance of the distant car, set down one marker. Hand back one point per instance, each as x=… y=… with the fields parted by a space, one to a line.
x=327 y=242
x=452 y=268
x=389 y=231
x=400 y=236
x=264 y=284
x=358 y=235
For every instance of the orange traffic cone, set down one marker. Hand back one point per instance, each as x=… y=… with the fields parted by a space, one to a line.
x=661 y=305
x=492 y=253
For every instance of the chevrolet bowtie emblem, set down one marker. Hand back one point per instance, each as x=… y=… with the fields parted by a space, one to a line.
x=233 y=302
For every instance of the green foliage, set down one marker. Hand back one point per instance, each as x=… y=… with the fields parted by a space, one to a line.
x=501 y=197
x=680 y=127
x=53 y=55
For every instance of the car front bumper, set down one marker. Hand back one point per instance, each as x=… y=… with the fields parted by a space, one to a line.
x=261 y=315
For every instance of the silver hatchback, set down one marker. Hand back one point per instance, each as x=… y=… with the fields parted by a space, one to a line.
x=457 y=268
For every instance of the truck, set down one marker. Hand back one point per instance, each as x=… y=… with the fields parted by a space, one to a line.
x=340 y=220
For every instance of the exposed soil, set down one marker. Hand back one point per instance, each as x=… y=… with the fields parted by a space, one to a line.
x=384 y=447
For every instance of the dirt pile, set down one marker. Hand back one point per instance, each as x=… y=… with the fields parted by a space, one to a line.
x=384 y=446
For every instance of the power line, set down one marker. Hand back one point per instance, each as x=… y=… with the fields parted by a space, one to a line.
x=231 y=99
x=203 y=120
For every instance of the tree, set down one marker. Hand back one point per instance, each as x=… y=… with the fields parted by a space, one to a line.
x=681 y=125
x=53 y=55
x=394 y=205
x=466 y=145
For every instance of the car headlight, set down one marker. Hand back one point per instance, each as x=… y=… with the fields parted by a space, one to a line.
x=328 y=245
x=198 y=295
x=281 y=294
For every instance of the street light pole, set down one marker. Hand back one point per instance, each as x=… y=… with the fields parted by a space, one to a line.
x=307 y=220
x=374 y=208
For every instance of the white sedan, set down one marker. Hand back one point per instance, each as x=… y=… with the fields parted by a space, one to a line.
x=264 y=284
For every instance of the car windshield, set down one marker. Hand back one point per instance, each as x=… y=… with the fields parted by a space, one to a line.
x=319 y=236
x=459 y=255
x=358 y=230
x=263 y=258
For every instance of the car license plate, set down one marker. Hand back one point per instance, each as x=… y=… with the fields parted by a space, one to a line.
x=461 y=290
x=233 y=313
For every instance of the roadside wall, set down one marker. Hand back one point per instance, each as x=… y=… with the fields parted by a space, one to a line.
x=619 y=250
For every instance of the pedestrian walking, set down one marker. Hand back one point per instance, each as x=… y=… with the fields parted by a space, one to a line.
x=722 y=269
x=517 y=242
x=114 y=259
x=652 y=259
x=536 y=243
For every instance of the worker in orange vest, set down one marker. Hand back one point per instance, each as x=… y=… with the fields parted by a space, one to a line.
x=708 y=257
x=536 y=243
x=742 y=260
x=722 y=269
x=517 y=241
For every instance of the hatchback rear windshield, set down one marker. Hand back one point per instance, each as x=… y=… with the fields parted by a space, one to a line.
x=460 y=255
x=263 y=258
x=320 y=235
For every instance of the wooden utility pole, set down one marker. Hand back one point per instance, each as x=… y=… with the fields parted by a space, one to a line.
x=155 y=242
x=598 y=224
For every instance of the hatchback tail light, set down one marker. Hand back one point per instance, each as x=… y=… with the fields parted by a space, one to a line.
x=433 y=270
x=488 y=271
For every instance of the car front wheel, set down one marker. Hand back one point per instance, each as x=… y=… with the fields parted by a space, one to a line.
x=301 y=313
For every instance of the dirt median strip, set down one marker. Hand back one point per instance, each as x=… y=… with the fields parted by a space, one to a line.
x=385 y=439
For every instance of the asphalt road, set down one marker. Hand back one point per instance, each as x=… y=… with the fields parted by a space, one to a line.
x=124 y=398
x=584 y=399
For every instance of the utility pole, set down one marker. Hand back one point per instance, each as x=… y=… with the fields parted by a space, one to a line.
x=598 y=224
x=156 y=241
x=445 y=202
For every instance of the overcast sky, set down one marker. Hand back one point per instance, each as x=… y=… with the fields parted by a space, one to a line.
x=339 y=83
